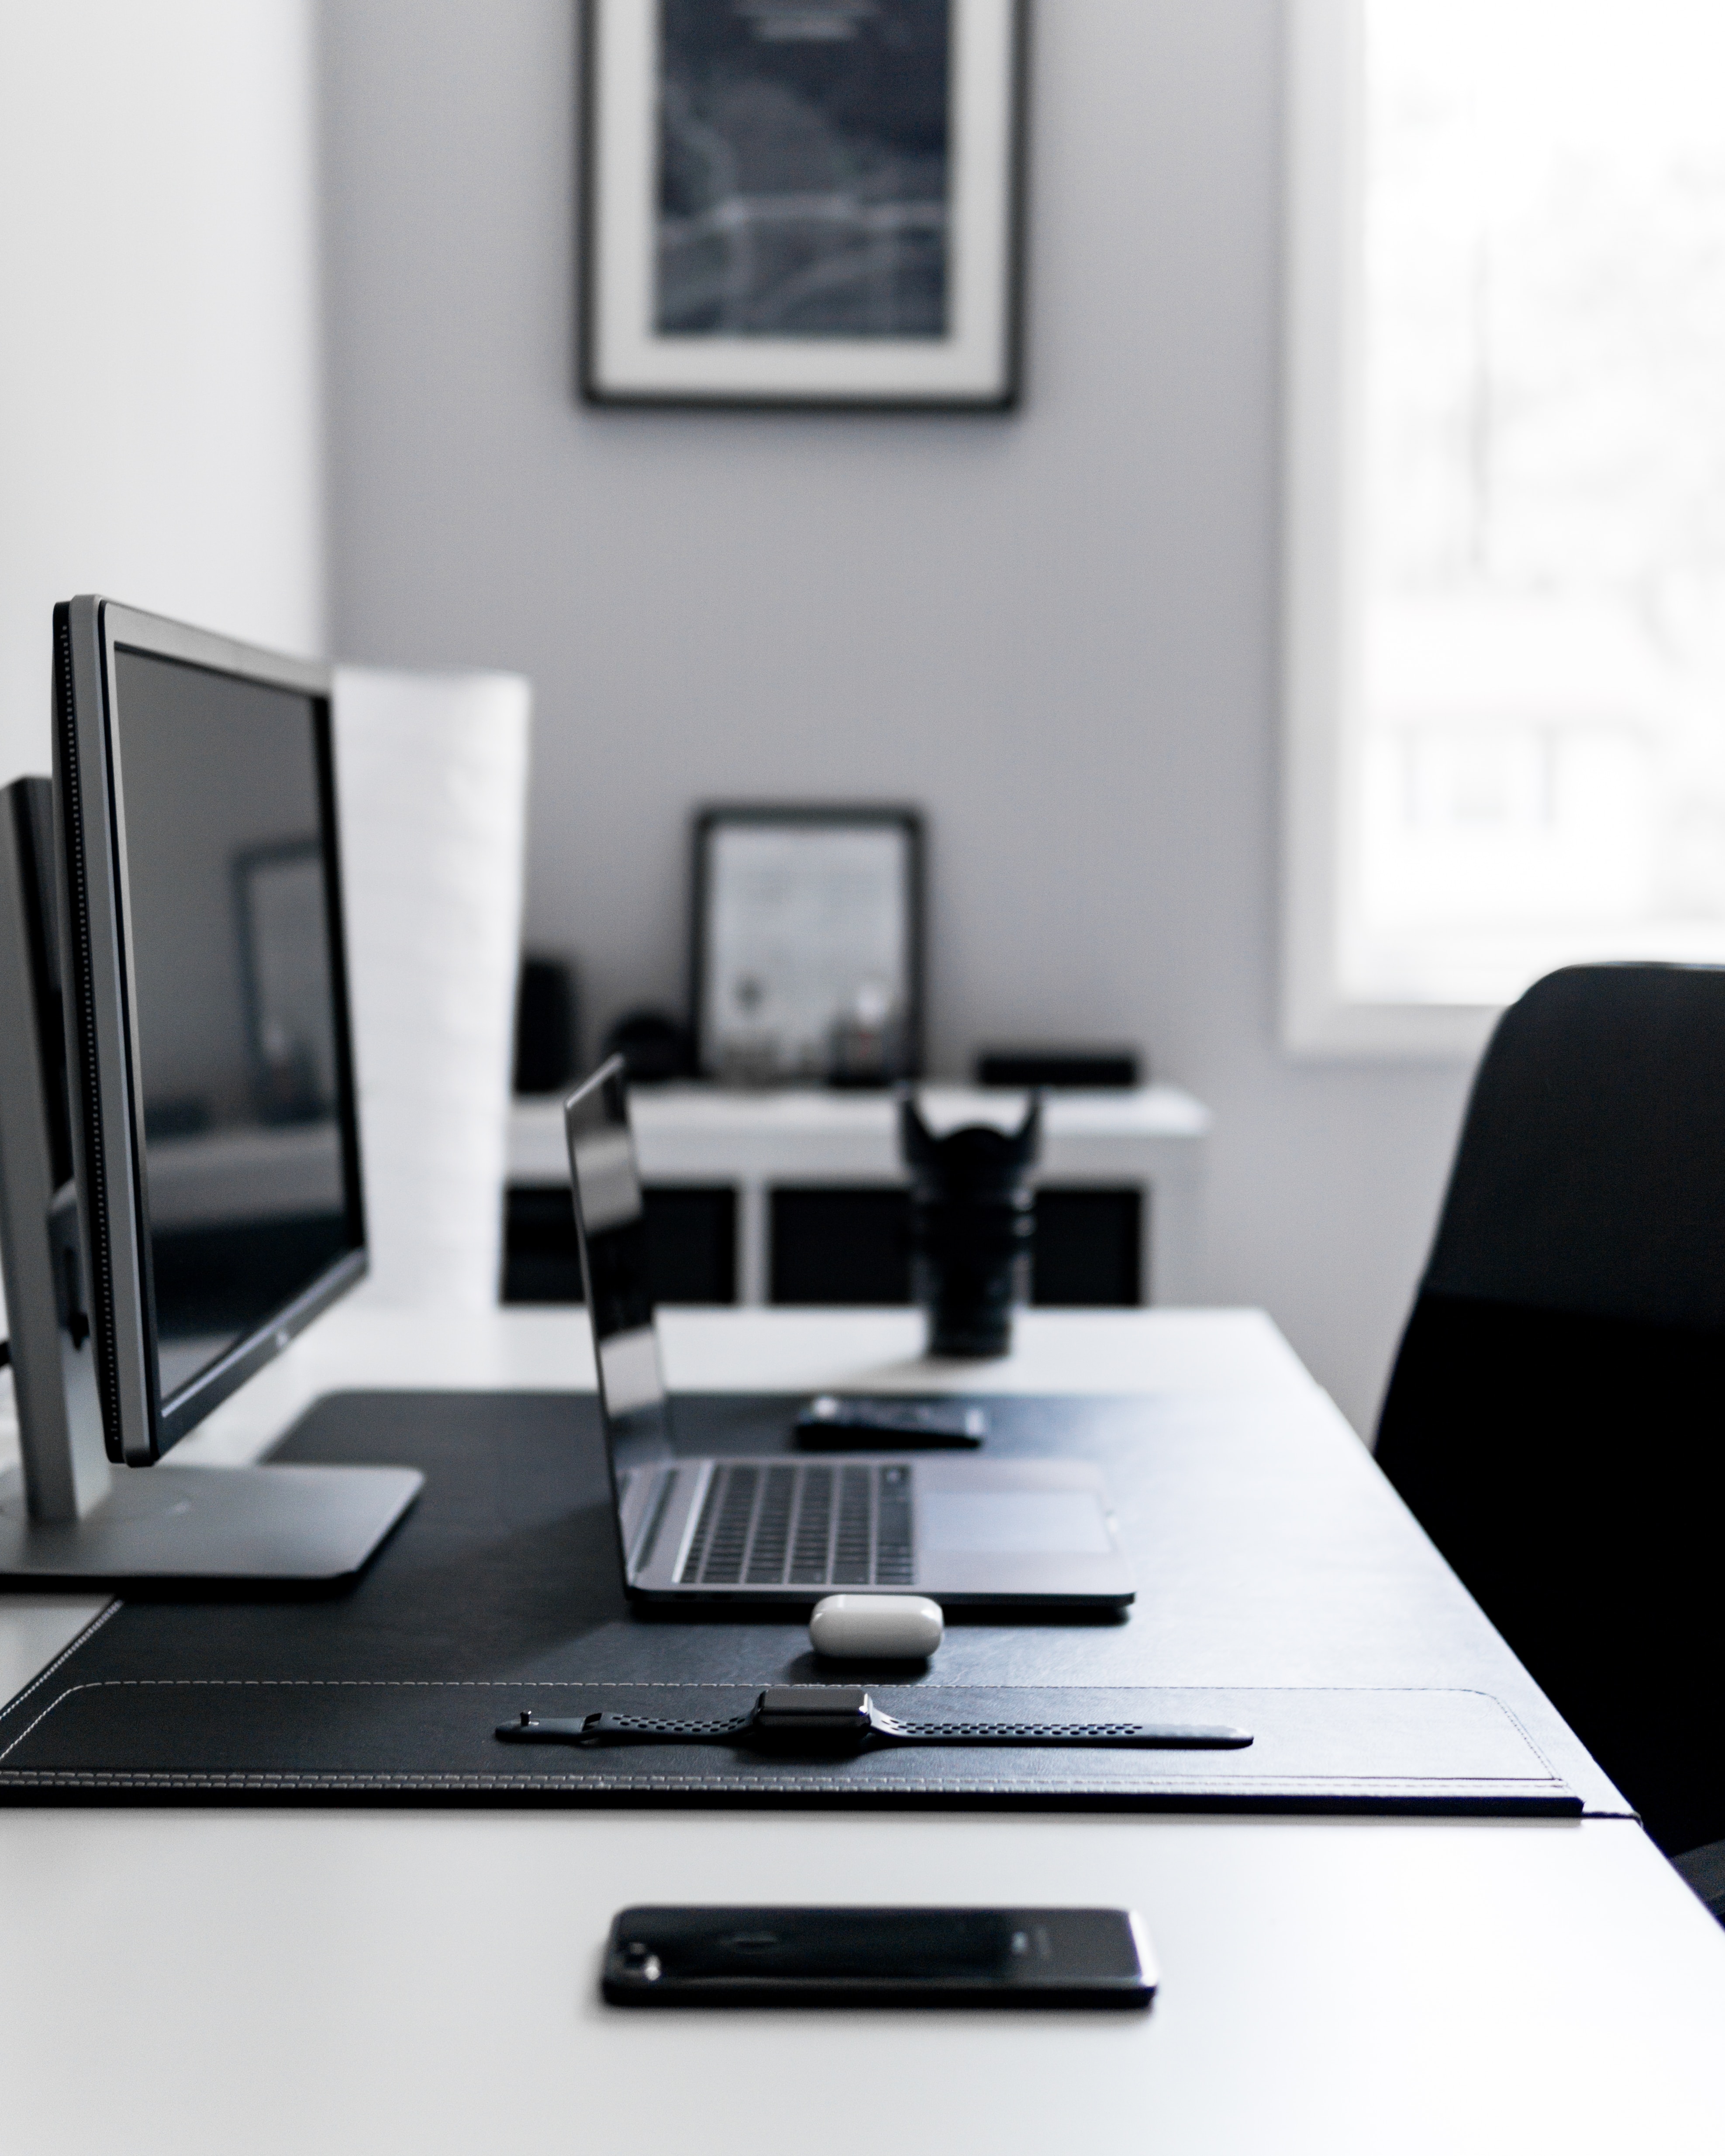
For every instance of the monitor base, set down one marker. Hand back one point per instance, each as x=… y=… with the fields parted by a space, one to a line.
x=313 y=1526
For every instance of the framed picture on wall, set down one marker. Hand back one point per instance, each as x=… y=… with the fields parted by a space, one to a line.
x=807 y=958
x=811 y=202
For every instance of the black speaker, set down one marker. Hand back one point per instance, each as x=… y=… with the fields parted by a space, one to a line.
x=547 y=1034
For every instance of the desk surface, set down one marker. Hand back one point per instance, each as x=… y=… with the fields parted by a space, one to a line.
x=284 y=1981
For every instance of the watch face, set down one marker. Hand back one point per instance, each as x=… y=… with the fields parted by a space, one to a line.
x=823 y=1700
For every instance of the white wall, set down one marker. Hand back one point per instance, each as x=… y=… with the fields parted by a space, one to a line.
x=161 y=364
x=160 y=361
x=1056 y=630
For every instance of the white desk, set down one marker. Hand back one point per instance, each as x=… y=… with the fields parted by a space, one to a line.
x=1149 y=1138
x=193 y=1981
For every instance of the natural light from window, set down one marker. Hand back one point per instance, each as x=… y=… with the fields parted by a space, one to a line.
x=1537 y=772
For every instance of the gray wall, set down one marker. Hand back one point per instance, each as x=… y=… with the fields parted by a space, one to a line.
x=1057 y=631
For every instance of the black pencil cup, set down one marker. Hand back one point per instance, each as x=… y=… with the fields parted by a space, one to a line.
x=973 y=1222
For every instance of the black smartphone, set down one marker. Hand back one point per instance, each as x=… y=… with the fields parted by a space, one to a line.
x=832 y=1424
x=726 y=1957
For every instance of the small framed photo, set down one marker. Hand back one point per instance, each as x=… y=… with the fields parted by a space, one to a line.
x=807 y=958
x=802 y=203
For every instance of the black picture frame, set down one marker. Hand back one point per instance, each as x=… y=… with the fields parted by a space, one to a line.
x=623 y=361
x=843 y=818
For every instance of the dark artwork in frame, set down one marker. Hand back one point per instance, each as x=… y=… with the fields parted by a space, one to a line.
x=810 y=203
x=803 y=176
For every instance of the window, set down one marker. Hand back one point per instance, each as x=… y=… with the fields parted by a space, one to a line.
x=1506 y=565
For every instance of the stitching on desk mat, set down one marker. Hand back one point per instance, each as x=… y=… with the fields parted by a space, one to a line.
x=667 y=1684
x=107 y=1775
x=1515 y=1721
x=59 y=1661
x=61 y=1777
x=1510 y=1804
x=711 y=1684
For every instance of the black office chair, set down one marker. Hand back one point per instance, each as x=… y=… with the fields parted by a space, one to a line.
x=1556 y=1417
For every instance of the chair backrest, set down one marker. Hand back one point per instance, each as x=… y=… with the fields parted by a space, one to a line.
x=1556 y=1416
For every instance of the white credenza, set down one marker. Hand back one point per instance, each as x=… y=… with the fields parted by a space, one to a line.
x=777 y=1163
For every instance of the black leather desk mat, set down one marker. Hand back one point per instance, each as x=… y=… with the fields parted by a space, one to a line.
x=501 y=1591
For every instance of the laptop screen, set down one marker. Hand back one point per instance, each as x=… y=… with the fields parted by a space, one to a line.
x=610 y=1222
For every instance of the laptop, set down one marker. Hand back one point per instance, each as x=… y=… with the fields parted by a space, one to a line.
x=780 y=1528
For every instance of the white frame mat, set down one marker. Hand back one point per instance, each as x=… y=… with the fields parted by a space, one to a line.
x=624 y=359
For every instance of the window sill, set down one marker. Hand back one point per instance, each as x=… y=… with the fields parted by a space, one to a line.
x=1318 y=1028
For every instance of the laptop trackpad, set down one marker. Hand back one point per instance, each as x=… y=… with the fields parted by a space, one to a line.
x=1011 y=1522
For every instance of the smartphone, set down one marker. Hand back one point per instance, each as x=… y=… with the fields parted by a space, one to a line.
x=726 y=1957
x=832 y=1424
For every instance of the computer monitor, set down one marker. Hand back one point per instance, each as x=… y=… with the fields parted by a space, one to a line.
x=210 y=1105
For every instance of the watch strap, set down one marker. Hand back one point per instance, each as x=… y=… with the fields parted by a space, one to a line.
x=843 y=1718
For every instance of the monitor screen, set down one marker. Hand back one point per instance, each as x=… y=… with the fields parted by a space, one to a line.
x=248 y=1157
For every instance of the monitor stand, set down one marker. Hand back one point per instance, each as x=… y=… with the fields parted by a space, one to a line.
x=309 y=1527
x=67 y=1518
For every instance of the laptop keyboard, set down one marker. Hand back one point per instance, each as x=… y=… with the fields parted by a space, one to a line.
x=799 y=1526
